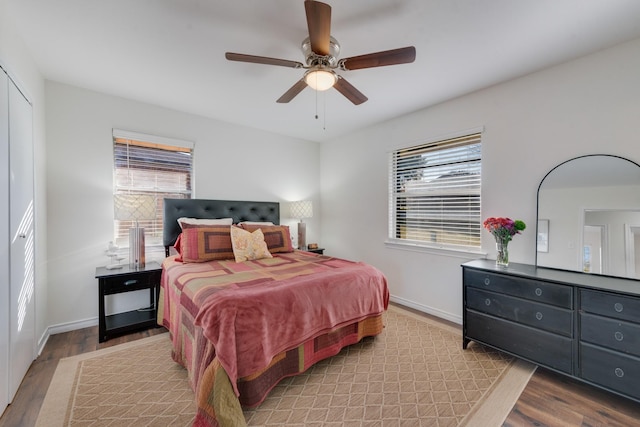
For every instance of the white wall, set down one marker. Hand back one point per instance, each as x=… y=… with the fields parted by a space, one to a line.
x=23 y=70
x=531 y=124
x=230 y=162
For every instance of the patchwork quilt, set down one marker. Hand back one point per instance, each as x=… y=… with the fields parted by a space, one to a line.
x=239 y=328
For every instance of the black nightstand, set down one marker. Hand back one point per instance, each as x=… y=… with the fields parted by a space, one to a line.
x=317 y=251
x=127 y=279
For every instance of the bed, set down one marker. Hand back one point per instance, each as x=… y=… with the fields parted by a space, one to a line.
x=240 y=325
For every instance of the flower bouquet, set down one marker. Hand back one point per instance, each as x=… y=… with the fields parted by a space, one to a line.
x=503 y=230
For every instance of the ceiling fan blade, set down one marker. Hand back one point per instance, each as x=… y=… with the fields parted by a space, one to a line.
x=292 y=92
x=262 y=60
x=349 y=91
x=319 y=24
x=403 y=55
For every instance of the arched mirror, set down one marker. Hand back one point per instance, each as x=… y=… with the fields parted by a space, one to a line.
x=589 y=216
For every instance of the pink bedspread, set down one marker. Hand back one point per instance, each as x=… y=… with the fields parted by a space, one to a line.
x=253 y=310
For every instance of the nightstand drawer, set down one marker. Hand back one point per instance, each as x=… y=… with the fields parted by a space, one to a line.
x=130 y=282
x=548 y=293
x=541 y=316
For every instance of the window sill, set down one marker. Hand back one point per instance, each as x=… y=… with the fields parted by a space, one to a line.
x=416 y=247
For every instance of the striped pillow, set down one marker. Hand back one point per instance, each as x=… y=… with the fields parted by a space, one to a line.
x=277 y=237
x=202 y=244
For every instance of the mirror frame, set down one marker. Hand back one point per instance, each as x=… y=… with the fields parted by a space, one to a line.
x=538 y=205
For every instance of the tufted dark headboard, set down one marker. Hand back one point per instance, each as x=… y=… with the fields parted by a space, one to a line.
x=200 y=208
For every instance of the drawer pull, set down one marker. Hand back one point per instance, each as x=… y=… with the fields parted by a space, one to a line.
x=618 y=307
x=487 y=301
x=130 y=282
x=539 y=316
x=619 y=372
x=538 y=292
x=487 y=281
x=618 y=336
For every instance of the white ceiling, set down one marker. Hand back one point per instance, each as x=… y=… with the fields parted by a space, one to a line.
x=171 y=52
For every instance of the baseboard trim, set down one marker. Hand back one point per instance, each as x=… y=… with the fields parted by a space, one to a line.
x=426 y=309
x=64 y=327
x=42 y=342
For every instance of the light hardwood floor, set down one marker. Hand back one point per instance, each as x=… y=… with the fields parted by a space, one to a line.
x=548 y=400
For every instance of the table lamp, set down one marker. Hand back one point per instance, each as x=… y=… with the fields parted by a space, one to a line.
x=135 y=207
x=302 y=209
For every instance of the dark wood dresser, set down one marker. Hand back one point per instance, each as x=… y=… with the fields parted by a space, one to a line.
x=581 y=325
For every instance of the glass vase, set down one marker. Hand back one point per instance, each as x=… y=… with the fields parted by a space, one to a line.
x=502 y=257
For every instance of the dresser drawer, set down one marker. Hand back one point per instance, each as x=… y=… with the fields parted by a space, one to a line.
x=549 y=293
x=611 y=333
x=538 y=346
x=541 y=316
x=610 y=305
x=610 y=369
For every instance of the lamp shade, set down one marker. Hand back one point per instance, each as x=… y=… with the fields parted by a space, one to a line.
x=302 y=209
x=134 y=207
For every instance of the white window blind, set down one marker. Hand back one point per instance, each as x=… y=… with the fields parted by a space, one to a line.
x=160 y=169
x=434 y=193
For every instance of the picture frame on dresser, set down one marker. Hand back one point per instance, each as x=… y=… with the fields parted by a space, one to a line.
x=542 y=236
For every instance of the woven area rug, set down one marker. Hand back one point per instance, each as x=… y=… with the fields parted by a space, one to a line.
x=415 y=373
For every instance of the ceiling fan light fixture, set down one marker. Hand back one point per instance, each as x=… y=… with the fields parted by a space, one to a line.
x=321 y=51
x=320 y=79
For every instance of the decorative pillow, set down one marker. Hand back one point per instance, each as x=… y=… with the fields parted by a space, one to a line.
x=178 y=246
x=277 y=237
x=248 y=246
x=204 y=221
x=201 y=244
x=255 y=223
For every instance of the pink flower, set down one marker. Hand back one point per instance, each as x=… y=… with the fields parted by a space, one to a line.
x=504 y=229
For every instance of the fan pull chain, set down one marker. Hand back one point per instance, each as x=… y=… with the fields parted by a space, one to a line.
x=316 y=104
x=324 y=110
x=324 y=113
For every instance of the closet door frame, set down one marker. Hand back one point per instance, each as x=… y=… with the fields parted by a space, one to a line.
x=4 y=240
x=17 y=239
x=22 y=346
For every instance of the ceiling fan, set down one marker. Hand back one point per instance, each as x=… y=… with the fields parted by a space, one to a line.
x=321 y=57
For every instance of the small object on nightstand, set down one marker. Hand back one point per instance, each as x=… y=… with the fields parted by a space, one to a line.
x=112 y=252
x=315 y=250
x=312 y=246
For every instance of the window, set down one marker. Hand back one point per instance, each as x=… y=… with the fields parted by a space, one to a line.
x=434 y=194
x=150 y=166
